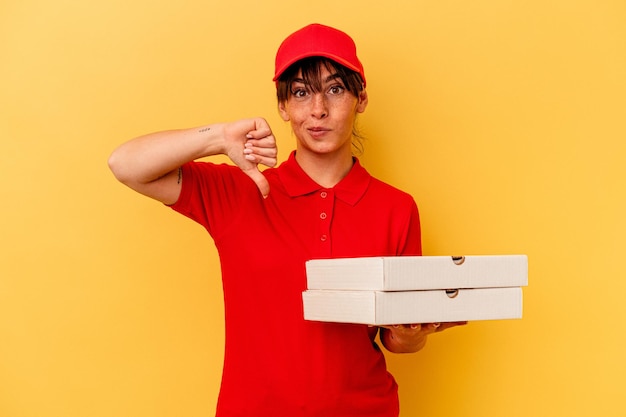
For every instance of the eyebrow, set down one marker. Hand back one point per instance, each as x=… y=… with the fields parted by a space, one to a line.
x=328 y=79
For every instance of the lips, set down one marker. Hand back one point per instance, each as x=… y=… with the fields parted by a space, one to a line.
x=317 y=131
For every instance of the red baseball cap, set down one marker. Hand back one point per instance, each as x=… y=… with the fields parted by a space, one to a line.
x=318 y=40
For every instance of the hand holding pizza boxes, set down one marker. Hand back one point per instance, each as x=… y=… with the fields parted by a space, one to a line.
x=415 y=289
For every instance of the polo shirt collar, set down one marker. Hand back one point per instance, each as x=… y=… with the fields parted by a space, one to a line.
x=297 y=183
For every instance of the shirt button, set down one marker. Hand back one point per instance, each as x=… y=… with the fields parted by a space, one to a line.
x=323 y=194
x=323 y=238
x=323 y=216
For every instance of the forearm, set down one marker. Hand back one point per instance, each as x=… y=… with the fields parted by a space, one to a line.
x=150 y=157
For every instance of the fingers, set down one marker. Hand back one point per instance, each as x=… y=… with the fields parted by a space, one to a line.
x=429 y=328
x=424 y=327
x=261 y=129
x=414 y=326
x=249 y=142
x=409 y=329
x=261 y=151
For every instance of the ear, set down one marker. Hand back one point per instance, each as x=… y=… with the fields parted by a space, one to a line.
x=282 y=109
x=362 y=104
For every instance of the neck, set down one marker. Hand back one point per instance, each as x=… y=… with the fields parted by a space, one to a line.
x=325 y=169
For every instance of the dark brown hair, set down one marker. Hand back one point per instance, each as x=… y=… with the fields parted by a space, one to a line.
x=311 y=70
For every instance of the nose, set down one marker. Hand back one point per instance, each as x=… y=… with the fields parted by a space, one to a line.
x=319 y=106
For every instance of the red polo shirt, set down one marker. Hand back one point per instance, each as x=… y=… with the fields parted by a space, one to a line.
x=276 y=363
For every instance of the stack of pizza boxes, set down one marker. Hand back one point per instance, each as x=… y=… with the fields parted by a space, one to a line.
x=415 y=289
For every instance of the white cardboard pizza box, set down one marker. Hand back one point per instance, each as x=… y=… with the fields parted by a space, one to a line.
x=405 y=273
x=398 y=307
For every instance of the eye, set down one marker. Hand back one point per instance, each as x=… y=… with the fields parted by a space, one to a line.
x=299 y=93
x=336 y=89
x=299 y=90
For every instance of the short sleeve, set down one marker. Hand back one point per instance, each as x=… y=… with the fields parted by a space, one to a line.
x=213 y=195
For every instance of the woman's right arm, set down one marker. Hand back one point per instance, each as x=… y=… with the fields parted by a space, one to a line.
x=151 y=164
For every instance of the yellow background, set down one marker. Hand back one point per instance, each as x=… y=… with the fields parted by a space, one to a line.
x=505 y=120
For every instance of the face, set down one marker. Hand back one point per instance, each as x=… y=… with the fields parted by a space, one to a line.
x=322 y=121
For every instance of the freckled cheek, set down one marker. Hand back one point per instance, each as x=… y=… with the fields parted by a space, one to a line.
x=298 y=127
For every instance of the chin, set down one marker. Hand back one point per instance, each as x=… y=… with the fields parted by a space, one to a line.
x=323 y=150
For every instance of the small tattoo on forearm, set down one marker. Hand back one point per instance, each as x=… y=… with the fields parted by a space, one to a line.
x=204 y=129
x=180 y=174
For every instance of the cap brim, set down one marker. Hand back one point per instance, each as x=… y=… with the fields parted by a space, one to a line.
x=335 y=58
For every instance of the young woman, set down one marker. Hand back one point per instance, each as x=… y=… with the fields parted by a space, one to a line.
x=320 y=203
